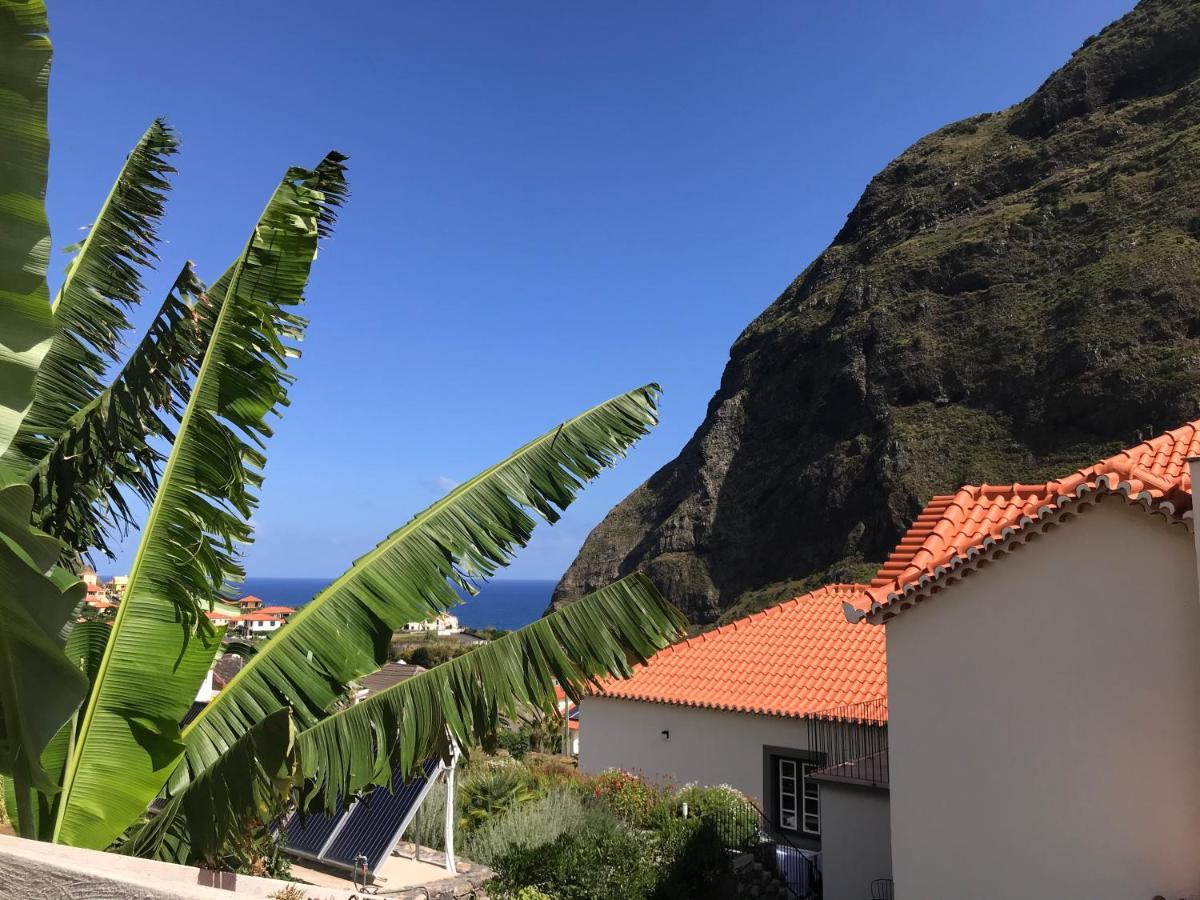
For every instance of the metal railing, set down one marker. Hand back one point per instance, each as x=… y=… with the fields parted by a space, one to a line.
x=744 y=829
x=852 y=741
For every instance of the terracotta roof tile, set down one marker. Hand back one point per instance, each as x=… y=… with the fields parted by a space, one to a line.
x=954 y=527
x=795 y=659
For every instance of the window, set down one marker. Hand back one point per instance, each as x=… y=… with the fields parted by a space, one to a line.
x=797 y=796
x=811 y=806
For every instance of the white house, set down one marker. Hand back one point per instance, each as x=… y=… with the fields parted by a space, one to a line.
x=1044 y=721
x=751 y=705
x=259 y=623
x=1041 y=714
x=442 y=624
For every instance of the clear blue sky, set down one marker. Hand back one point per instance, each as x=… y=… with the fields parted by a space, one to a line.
x=552 y=203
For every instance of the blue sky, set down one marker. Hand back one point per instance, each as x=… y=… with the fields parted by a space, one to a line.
x=552 y=203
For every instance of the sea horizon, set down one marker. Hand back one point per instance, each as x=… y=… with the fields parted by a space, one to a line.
x=506 y=603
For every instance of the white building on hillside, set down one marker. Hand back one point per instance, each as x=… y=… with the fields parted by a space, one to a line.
x=441 y=625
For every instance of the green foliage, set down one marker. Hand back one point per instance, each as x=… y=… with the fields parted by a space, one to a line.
x=605 y=859
x=215 y=362
x=491 y=792
x=540 y=822
x=514 y=743
x=468 y=697
x=522 y=893
x=738 y=817
x=632 y=798
x=428 y=653
x=26 y=321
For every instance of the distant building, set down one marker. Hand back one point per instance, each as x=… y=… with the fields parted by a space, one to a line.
x=250 y=603
x=89 y=576
x=118 y=585
x=257 y=623
x=441 y=625
x=391 y=674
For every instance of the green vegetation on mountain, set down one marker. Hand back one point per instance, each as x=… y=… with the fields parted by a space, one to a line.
x=1014 y=296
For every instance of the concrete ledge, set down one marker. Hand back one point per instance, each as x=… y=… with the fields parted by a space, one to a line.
x=32 y=870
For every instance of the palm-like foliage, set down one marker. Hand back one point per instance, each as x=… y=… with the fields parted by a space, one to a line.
x=87 y=761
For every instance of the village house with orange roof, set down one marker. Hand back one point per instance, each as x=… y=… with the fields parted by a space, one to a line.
x=1039 y=720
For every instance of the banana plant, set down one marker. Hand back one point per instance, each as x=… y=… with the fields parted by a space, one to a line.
x=90 y=712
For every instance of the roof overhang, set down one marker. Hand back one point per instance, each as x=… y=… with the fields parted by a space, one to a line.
x=1026 y=528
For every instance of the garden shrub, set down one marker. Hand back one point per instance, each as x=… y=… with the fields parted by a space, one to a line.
x=429 y=827
x=492 y=791
x=603 y=861
x=636 y=801
x=543 y=821
x=735 y=816
x=514 y=743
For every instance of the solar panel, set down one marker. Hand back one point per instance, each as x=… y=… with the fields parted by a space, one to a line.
x=377 y=821
x=371 y=825
x=308 y=835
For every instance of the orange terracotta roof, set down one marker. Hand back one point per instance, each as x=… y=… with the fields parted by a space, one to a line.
x=219 y=616
x=277 y=610
x=795 y=659
x=955 y=528
x=257 y=617
x=250 y=598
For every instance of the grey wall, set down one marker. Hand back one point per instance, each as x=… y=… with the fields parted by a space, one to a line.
x=1045 y=720
x=856 y=841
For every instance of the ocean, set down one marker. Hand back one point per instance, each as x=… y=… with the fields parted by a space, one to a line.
x=503 y=603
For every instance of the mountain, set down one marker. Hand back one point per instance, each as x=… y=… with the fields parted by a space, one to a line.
x=1015 y=296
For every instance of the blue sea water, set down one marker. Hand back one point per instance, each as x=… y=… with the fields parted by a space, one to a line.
x=504 y=603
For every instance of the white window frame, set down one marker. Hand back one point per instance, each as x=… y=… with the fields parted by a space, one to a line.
x=795 y=794
x=810 y=793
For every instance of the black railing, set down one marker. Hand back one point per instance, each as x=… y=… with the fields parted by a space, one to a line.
x=742 y=829
x=852 y=741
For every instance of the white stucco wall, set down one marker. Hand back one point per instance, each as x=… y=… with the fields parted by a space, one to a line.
x=855 y=840
x=1045 y=721
x=706 y=746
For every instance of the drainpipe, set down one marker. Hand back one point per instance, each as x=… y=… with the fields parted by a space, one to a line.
x=1194 y=471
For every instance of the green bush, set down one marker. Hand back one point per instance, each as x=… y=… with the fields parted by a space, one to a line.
x=525 y=893
x=515 y=743
x=636 y=801
x=603 y=861
x=738 y=818
x=692 y=860
x=492 y=791
x=429 y=827
x=543 y=821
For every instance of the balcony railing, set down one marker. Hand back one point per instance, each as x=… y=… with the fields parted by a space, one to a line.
x=853 y=743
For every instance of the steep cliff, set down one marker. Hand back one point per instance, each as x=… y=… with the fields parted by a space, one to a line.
x=1014 y=296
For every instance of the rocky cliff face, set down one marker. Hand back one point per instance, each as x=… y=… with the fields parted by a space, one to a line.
x=1014 y=296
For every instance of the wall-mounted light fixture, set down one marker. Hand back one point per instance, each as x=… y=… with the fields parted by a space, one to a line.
x=666 y=735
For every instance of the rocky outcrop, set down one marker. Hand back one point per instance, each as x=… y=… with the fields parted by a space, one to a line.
x=1014 y=296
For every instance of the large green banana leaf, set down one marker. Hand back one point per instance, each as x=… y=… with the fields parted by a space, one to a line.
x=345 y=631
x=128 y=738
x=84 y=649
x=39 y=687
x=103 y=281
x=26 y=324
x=464 y=699
x=252 y=779
x=113 y=442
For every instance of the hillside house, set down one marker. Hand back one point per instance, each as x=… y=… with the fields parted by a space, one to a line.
x=1034 y=731
x=1042 y=675
x=748 y=705
x=441 y=625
